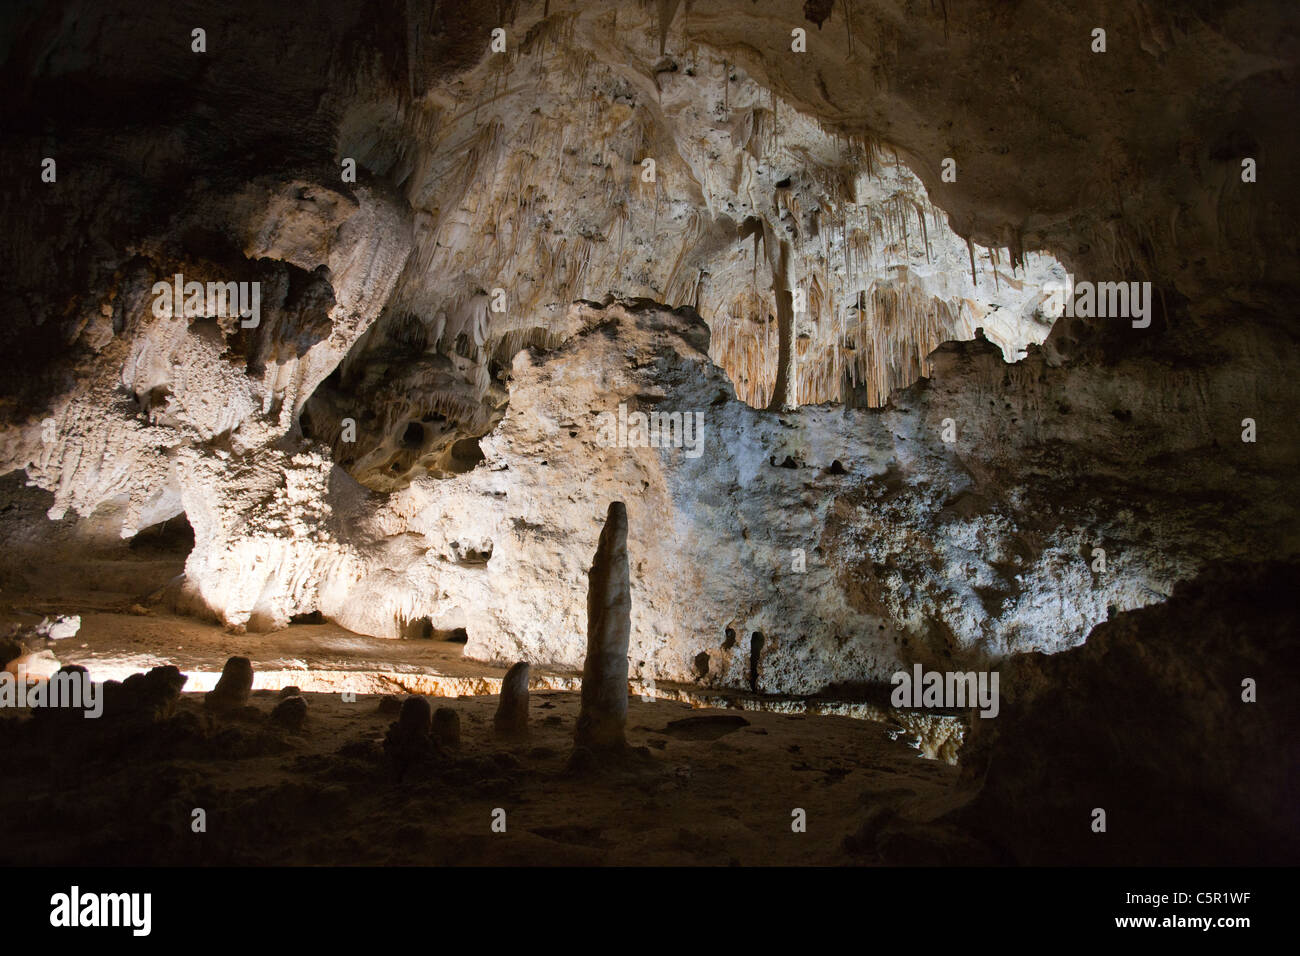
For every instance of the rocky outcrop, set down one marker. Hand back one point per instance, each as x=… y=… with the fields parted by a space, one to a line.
x=1175 y=720
x=603 y=717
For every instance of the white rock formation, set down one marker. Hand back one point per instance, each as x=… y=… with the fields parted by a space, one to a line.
x=910 y=548
x=168 y=384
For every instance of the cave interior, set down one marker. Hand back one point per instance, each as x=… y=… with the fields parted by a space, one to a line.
x=620 y=416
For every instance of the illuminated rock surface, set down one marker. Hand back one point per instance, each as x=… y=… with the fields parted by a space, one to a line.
x=609 y=624
x=410 y=441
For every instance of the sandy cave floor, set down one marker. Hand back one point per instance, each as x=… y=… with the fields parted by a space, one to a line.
x=713 y=792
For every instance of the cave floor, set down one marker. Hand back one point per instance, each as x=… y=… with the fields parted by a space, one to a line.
x=114 y=643
x=717 y=791
x=710 y=794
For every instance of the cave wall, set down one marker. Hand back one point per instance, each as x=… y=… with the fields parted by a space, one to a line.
x=1189 y=763
x=522 y=171
x=853 y=540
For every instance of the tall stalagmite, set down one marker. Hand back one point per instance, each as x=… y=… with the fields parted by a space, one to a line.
x=609 y=625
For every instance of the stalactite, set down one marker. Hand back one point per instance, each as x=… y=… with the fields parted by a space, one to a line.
x=925 y=235
x=780 y=258
x=776 y=129
x=667 y=9
x=655 y=233
x=902 y=221
x=690 y=236
x=488 y=228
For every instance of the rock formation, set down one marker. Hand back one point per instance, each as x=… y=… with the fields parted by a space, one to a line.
x=25 y=649
x=152 y=695
x=652 y=254
x=1169 y=719
x=408 y=745
x=914 y=548
x=415 y=720
x=785 y=390
x=445 y=728
x=66 y=717
x=290 y=712
x=609 y=624
x=511 y=718
x=232 y=690
x=385 y=399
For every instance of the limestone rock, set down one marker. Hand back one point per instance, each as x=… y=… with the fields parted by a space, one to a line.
x=290 y=712
x=36 y=665
x=59 y=628
x=511 y=718
x=396 y=442
x=157 y=692
x=65 y=715
x=1149 y=722
x=233 y=688
x=603 y=715
x=149 y=696
x=408 y=746
x=919 y=549
x=479 y=424
x=415 y=720
x=446 y=728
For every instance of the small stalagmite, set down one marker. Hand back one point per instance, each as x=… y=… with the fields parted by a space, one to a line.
x=415 y=722
x=512 y=711
x=154 y=695
x=603 y=715
x=290 y=712
x=408 y=743
x=233 y=688
x=446 y=728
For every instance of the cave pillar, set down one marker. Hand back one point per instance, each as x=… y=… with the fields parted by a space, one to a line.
x=780 y=258
x=603 y=714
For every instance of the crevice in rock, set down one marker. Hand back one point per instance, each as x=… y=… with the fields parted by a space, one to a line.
x=172 y=536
